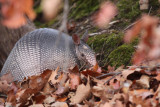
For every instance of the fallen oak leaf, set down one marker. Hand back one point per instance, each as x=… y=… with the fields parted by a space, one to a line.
x=4 y=87
x=63 y=99
x=50 y=8
x=91 y=73
x=2 y=102
x=143 y=93
x=22 y=96
x=119 y=104
x=11 y=98
x=34 y=87
x=143 y=23
x=49 y=100
x=38 y=98
x=107 y=104
x=144 y=81
x=55 y=78
x=14 y=12
x=119 y=97
x=59 y=104
x=82 y=93
x=98 y=90
x=115 y=85
x=149 y=44
x=38 y=82
x=138 y=101
x=8 y=77
x=107 y=11
x=37 y=105
x=131 y=74
x=157 y=77
x=74 y=81
x=51 y=81
x=62 y=89
x=74 y=76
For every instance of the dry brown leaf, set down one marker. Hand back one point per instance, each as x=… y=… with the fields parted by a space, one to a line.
x=37 y=105
x=2 y=102
x=8 y=77
x=14 y=11
x=59 y=104
x=125 y=73
x=131 y=74
x=23 y=95
x=38 y=82
x=119 y=104
x=119 y=97
x=74 y=78
x=48 y=89
x=98 y=90
x=11 y=99
x=101 y=90
x=149 y=45
x=62 y=89
x=137 y=101
x=157 y=77
x=71 y=25
x=107 y=11
x=91 y=73
x=55 y=78
x=51 y=8
x=38 y=99
x=74 y=81
x=144 y=81
x=115 y=85
x=52 y=80
x=143 y=93
x=107 y=104
x=49 y=100
x=126 y=86
x=4 y=86
x=82 y=93
x=63 y=99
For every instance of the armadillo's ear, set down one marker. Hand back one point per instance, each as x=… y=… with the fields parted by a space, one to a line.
x=76 y=39
x=85 y=36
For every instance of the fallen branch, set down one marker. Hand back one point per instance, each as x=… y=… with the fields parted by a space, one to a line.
x=117 y=73
x=97 y=33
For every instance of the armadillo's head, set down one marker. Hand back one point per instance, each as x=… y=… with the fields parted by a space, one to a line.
x=83 y=51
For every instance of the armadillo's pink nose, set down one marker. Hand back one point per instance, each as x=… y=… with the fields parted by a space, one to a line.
x=97 y=68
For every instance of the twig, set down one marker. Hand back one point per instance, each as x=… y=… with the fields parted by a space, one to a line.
x=2 y=95
x=130 y=26
x=63 y=26
x=150 y=10
x=112 y=77
x=113 y=22
x=97 y=33
x=111 y=73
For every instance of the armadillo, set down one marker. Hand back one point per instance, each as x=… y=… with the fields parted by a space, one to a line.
x=46 y=48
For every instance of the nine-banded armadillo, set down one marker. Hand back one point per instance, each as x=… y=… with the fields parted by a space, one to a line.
x=44 y=49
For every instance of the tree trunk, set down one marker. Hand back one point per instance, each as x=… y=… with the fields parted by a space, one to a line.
x=8 y=37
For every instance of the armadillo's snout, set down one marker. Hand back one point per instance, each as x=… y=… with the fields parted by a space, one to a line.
x=94 y=65
x=92 y=60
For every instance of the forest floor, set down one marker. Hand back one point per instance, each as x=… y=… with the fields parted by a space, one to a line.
x=137 y=85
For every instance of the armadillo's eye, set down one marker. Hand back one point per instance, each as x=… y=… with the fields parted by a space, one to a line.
x=82 y=54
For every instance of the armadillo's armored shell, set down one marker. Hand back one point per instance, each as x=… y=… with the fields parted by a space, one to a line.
x=40 y=50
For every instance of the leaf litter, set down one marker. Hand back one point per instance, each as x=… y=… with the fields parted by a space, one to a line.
x=135 y=86
x=132 y=87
